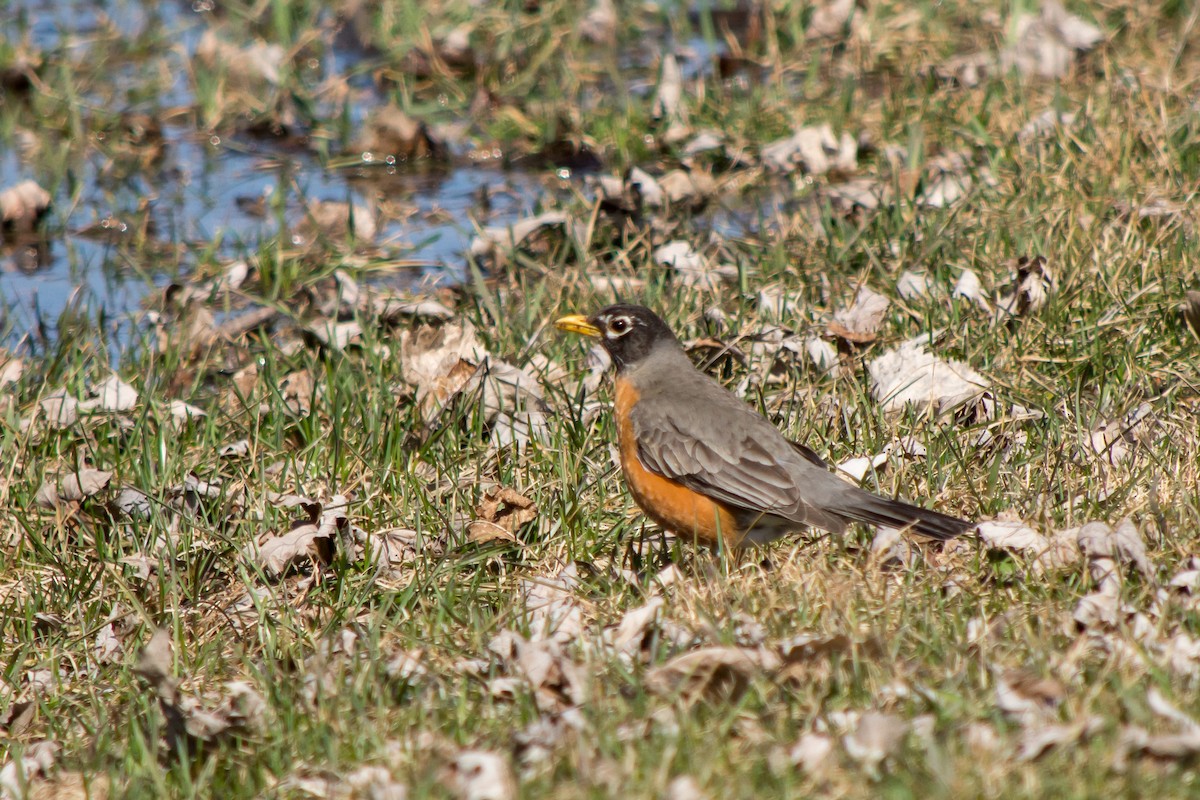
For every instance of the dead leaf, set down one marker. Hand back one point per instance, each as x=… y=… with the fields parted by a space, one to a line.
x=1114 y=440
x=684 y=787
x=439 y=361
x=668 y=104
x=244 y=68
x=629 y=636
x=23 y=206
x=1011 y=535
x=913 y=285
x=1045 y=123
x=710 y=672
x=551 y=608
x=389 y=135
x=494 y=240
x=829 y=19
x=1027 y=698
x=59 y=410
x=860 y=323
x=876 y=738
x=504 y=509
x=1032 y=285
x=599 y=25
x=692 y=267
x=1037 y=741
x=72 y=487
x=911 y=374
x=1100 y=543
x=315 y=541
x=336 y=220
x=1047 y=44
x=35 y=762
x=11 y=369
x=813 y=150
x=482 y=775
x=811 y=753
x=111 y=395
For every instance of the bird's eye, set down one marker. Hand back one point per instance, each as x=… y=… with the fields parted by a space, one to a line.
x=619 y=325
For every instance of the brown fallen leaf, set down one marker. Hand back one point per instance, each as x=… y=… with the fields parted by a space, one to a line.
x=315 y=540
x=710 y=672
x=72 y=487
x=390 y=135
x=501 y=512
x=1037 y=740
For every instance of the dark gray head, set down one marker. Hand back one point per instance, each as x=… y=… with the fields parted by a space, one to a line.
x=629 y=333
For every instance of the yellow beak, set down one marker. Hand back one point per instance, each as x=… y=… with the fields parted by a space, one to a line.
x=577 y=323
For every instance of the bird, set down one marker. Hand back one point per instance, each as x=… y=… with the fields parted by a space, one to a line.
x=703 y=464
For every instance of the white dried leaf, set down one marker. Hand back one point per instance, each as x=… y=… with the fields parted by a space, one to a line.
x=684 y=787
x=551 y=607
x=112 y=395
x=1124 y=544
x=22 y=205
x=1102 y=609
x=811 y=752
x=1044 y=123
x=1011 y=535
x=970 y=288
x=911 y=374
x=631 y=633
x=814 y=150
x=483 y=775
x=1037 y=741
x=275 y=554
x=11 y=369
x=184 y=412
x=599 y=25
x=829 y=18
x=1032 y=285
x=1047 y=44
x=858 y=468
x=876 y=737
x=693 y=268
x=823 y=355
x=108 y=647
x=18 y=776
x=1026 y=698
x=863 y=318
x=236 y=449
x=913 y=285
x=59 y=410
x=496 y=239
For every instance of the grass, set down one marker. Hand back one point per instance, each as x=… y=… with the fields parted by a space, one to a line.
x=315 y=644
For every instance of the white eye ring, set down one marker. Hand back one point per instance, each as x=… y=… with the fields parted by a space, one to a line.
x=626 y=326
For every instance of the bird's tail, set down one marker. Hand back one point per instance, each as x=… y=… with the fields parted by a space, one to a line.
x=898 y=514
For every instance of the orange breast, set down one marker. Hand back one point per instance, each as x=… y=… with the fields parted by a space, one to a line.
x=672 y=505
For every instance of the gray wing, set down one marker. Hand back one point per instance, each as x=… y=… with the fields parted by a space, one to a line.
x=747 y=464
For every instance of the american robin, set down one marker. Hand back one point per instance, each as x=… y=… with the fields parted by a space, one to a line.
x=703 y=464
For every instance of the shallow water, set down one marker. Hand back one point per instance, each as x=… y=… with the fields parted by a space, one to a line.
x=198 y=194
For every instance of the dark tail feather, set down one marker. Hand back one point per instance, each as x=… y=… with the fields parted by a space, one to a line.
x=898 y=514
